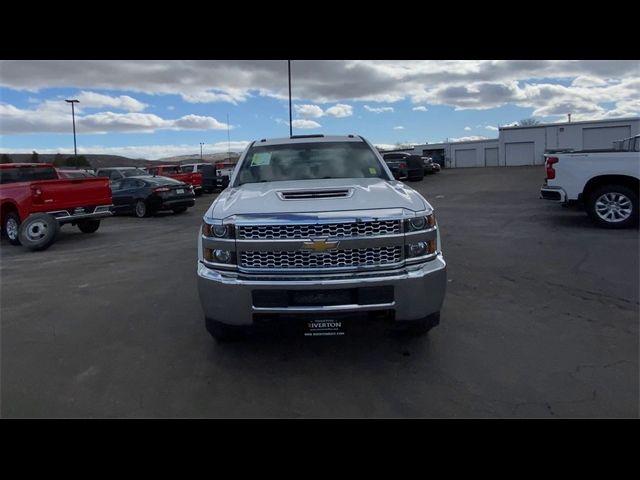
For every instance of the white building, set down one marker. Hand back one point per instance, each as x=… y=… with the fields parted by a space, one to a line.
x=527 y=145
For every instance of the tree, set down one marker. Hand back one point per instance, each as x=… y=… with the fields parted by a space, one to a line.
x=79 y=161
x=59 y=160
x=5 y=158
x=528 y=122
x=35 y=158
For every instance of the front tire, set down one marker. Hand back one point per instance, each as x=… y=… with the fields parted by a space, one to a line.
x=38 y=231
x=613 y=206
x=11 y=227
x=140 y=209
x=88 y=226
x=221 y=332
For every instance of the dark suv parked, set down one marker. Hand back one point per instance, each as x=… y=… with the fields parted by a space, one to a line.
x=405 y=165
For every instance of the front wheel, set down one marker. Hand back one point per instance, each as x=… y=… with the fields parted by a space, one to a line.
x=88 y=226
x=10 y=227
x=141 y=209
x=38 y=231
x=613 y=206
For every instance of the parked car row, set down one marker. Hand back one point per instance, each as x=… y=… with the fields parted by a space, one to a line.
x=36 y=199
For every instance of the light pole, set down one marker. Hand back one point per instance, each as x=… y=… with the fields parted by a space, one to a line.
x=201 y=144
x=73 y=116
x=290 y=124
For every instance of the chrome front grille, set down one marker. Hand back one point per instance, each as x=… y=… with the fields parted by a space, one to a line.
x=300 y=259
x=308 y=231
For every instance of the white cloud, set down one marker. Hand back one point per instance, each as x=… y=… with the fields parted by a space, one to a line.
x=468 y=129
x=463 y=84
x=305 y=124
x=492 y=128
x=171 y=107
x=420 y=109
x=314 y=111
x=339 y=111
x=399 y=127
x=148 y=152
x=467 y=139
x=230 y=95
x=378 y=109
x=308 y=111
x=98 y=100
x=51 y=117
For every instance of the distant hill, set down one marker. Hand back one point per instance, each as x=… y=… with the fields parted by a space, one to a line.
x=101 y=161
x=211 y=157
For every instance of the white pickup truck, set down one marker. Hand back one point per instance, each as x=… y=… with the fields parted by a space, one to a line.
x=604 y=181
x=315 y=228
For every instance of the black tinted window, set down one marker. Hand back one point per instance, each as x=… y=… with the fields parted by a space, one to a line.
x=27 y=174
x=133 y=172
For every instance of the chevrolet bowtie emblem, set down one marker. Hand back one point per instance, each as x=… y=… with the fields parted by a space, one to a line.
x=320 y=245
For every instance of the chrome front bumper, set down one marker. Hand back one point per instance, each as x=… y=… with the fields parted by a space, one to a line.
x=418 y=291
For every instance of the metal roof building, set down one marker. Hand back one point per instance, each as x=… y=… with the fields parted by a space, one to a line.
x=527 y=145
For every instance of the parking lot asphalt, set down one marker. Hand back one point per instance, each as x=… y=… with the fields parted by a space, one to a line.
x=540 y=320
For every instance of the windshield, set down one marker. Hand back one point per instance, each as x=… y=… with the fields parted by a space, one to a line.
x=134 y=172
x=309 y=161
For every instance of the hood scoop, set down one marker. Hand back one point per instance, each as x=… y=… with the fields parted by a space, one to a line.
x=315 y=194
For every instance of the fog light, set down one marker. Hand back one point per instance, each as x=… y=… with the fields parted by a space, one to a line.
x=432 y=246
x=208 y=255
x=417 y=249
x=222 y=256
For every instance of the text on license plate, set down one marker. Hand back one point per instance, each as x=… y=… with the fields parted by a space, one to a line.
x=180 y=191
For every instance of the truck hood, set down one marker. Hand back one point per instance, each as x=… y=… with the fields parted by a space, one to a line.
x=364 y=194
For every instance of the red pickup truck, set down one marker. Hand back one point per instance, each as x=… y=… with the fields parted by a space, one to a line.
x=35 y=202
x=174 y=171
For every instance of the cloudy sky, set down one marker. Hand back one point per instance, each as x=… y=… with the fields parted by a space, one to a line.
x=154 y=109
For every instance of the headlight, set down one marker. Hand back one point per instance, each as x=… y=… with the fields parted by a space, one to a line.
x=220 y=231
x=217 y=231
x=420 y=223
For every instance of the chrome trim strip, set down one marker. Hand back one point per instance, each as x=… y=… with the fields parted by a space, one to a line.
x=345 y=243
x=294 y=271
x=325 y=308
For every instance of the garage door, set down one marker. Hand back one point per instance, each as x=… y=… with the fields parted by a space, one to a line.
x=465 y=158
x=603 y=137
x=490 y=157
x=519 y=153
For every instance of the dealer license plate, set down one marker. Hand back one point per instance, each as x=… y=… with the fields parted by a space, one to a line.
x=324 y=328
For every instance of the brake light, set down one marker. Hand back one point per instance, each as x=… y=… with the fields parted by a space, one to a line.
x=403 y=165
x=161 y=189
x=551 y=173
